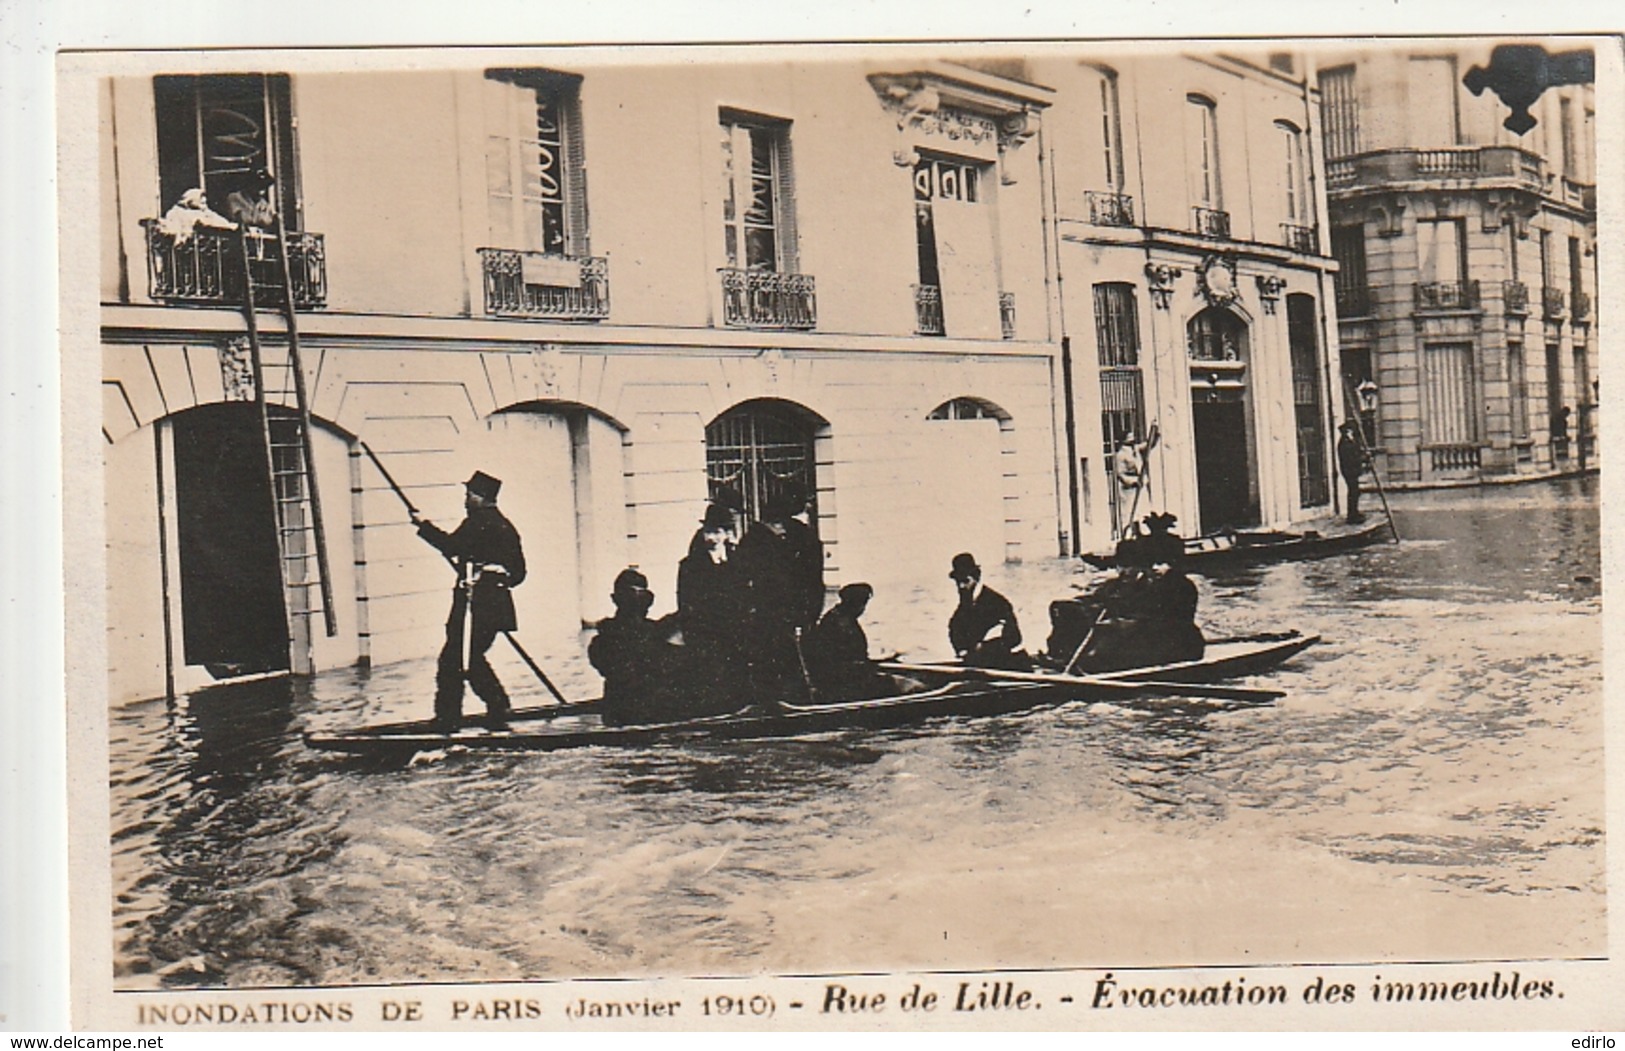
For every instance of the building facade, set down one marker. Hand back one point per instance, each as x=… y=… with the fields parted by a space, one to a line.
x=616 y=287
x=1467 y=268
x=1195 y=284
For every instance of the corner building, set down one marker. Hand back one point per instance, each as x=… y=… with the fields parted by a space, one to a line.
x=615 y=286
x=1195 y=287
x=1467 y=267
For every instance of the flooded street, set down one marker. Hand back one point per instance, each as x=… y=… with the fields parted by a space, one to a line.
x=1431 y=787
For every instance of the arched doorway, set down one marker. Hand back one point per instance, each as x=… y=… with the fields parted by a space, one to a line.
x=1222 y=421
x=967 y=441
x=763 y=449
x=233 y=616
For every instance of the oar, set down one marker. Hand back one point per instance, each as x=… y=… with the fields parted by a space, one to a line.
x=1125 y=686
x=1359 y=436
x=537 y=668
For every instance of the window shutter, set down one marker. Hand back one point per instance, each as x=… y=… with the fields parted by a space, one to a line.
x=575 y=183
x=785 y=189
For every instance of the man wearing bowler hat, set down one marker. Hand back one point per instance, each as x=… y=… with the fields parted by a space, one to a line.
x=983 y=629
x=489 y=560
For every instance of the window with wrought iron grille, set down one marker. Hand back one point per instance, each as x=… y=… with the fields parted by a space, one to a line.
x=1353 y=291
x=758 y=213
x=1117 y=325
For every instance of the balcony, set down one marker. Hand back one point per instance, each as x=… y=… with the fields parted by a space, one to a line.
x=1007 y=314
x=1305 y=239
x=206 y=268
x=1552 y=303
x=1110 y=209
x=928 y=311
x=538 y=285
x=1515 y=297
x=1446 y=296
x=767 y=299
x=1210 y=222
x=1579 y=307
x=1494 y=165
x=1356 y=301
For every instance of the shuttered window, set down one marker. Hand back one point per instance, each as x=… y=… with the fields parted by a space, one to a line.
x=758 y=194
x=535 y=180
x=1117 y=325
x=1340 y=112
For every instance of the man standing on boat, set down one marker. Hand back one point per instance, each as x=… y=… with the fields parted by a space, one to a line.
x=983 y=629
x=489 y=559
x=1351 y=464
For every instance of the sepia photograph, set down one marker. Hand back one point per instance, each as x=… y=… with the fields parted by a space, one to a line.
x=1064 y=534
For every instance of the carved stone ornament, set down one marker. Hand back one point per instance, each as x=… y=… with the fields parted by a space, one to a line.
x=236 y=368
x=1162 y=277
x=1216 y=280
x=1269 y=290
x=548 y=358
x=1389 y=215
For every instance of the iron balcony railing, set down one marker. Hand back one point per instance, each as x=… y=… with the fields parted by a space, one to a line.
x=928 y=311
x=1355 y=301
x=1007 y=314
x=1110 y=209
x=1579 y=306
x=539 y=285
x=1447 y=295
x=206 y=267
x=1515 y=296
x=767 y=299
x=1210 y=222
x=1552 y=302
x=1301 y=238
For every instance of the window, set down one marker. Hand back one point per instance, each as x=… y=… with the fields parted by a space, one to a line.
x=1518 y=392
x=959 y=285
x=1303 y=340
x=1576 y=273
x=1202 y=151
x=1547 y=278
x=215 y=131
x=963 y=409
x=757 y=215
x=1348 y=248
x=1441 y=251
x=1111 y=130
x=1512 y=250
x=1431 y=102
x=1117 y=325
x=535 y=199
x=1450 y=399
x=1297 y=193
x=1571 y=154
x=1340 y=110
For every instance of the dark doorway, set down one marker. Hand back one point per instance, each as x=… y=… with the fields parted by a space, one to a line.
x=232 y=615
x=1223 y=480
x=762 y=449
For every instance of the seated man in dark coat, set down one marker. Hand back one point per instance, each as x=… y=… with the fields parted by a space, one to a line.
x=635 y=655
x=837 y=651
x=982 y=612
x=1138 y=615
x=488 y=557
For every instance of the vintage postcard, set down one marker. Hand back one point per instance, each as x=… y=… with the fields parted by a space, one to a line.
x=1044 y=535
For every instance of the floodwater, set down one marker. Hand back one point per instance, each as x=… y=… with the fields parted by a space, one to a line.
x=1431 y=788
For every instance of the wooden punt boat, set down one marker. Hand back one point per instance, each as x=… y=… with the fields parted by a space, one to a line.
x=1261 y=545
x=959 y=693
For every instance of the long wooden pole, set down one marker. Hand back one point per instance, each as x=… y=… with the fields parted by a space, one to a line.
x=1090 y=683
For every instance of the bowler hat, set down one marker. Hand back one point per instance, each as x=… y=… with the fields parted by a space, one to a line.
x=858 y=592
x=965 y=567
x=717 y=517
x=784 y=506
x=483 y=485
x=629 y=581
